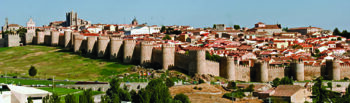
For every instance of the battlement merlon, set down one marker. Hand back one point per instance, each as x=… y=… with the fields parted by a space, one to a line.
x=116 y=39
x=168 y=45
x=78 y=37
x=130 y=41
x=147 y=43
x=102 y=38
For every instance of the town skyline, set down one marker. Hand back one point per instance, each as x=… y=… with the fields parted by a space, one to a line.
x=183 y=14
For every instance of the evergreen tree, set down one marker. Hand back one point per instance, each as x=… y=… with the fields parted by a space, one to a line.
x=70 y=99
x=32 y=71
x=167 y=37
x=86 y=97
x=336 y=31
x=163 y=29
x=250 y=88
x=319 y=91
x=286 y=81
x=51 y=99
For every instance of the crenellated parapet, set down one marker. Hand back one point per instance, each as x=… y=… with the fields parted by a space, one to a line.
x=102 y=43
x=12 y=40
x=116 y=44
x=129 y=46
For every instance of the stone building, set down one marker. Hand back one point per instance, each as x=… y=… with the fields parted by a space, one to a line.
x=269 y=29
x=73 y=20
x=305 y=30
x=30 y=32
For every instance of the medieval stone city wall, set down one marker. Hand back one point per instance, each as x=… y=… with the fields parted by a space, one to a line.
x=212 y=67
x=140 y=52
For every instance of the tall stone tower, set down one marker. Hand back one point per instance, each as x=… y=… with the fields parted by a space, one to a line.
x=198 y=63
x=91 y=41
x=30 y=32
x=4 y=28
x=40 y=38
x=146 y=52
x=333 y=69
x=129 y=46
x=298 y=70
x=55 y=36
x=67 y=38
x=72 y=19
x=116 y=43
x=102 y=44
x=227 y=68
x=78 y=40
x=168 y=56
x=262 y=73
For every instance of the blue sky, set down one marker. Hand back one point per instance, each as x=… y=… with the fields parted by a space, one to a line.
x=326 y=14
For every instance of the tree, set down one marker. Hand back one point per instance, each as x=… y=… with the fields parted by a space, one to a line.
x=285 y=29
x=276 y=82
x=329 y=85
x=286 y=81
x=236 y=27
x=159 y=91
x=70 y=99
x=250 y=88
x=163 y=29
x=52 y=99
x=22 y=32
x=232 y=85
x=32 y=71
x=319 y=91
x=182 y=97
x=169 y=82
x=167 y=37
x=336 y=31
x=86 y=97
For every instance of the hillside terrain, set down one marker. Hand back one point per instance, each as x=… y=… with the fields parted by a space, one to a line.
x=53 y=61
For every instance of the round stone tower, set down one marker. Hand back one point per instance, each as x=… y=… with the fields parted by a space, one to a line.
x=91 y=41
x=102 y=43
x=146 y=52
x=335 y=70
x=78 y=39
x=332 y=69
x=261 y=71
x=67 y=38
x=129 y=46
x=40 y=38
x=116 y=43
x=72 y=36
x=227 y=68
x=298 y=70
x=55 y=36
x=168 y=56
x=198 y=64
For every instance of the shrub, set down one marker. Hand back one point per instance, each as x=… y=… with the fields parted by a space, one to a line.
x=346 y=78
x=200 y=88
x=195 y=87
x=182 y=97
x=32 y=71
x=201 y=81
x=338 y=85
x=169 y=82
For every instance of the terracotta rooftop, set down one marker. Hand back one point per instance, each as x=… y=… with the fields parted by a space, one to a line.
x=286 y=90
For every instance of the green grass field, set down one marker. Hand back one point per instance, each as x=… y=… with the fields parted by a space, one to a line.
x=62 y=92
x=50 y=61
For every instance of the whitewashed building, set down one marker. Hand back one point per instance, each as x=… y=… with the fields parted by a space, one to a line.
x=142 y=30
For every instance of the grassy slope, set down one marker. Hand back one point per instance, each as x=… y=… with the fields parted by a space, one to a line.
x=62 y=92
x=51 y=62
